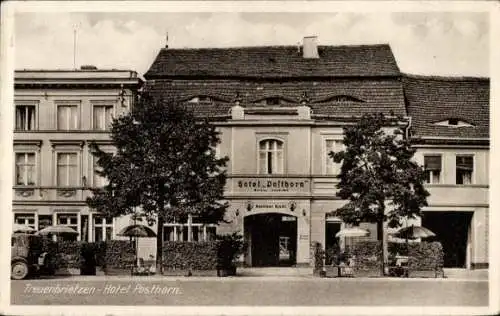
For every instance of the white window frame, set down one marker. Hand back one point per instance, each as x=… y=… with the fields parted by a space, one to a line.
x=441 y=176
x=474 y=168
x=69 y=103
x=329 y=166
x=78 y=168
x=59 y=212
x=35 y=176
x=182 y=226
x=21 y=103
x=104 y=105
x=274 y=155
x=104 y=225
x=27 y=213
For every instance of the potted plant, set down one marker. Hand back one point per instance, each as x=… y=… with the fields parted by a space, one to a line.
x=229 y=248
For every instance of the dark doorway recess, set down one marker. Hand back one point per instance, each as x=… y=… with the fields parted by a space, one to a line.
x=272 y=240
x=452 y=229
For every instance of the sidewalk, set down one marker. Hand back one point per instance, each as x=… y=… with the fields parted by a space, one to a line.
x=282 y=274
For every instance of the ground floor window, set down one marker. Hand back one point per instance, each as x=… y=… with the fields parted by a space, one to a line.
x=103 y=228
x=44 y=221
x=27 y=219
x=180 y=231
x=70 y=220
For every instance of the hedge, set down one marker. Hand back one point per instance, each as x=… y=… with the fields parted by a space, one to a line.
x=118 y=254
x=190 y=255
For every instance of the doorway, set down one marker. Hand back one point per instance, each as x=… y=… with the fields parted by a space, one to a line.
x=452 y=229
x=272 y=240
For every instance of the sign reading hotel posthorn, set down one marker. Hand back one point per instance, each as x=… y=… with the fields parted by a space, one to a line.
x=268 y=185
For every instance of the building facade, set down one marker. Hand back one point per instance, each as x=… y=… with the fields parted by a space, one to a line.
x=56 y=116
x=280 y=111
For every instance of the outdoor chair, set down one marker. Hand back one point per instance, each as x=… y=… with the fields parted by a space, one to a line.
x=141 y=269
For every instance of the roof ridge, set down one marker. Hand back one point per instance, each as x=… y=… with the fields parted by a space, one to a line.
x=272 y=46
x=444 y=78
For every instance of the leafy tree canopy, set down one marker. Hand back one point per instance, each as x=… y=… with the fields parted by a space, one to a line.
x=378 y=176
x=165 y=164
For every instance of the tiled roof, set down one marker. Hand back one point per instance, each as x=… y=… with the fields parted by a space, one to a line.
x=374 y=95
x=434 y=99
x=274 y=62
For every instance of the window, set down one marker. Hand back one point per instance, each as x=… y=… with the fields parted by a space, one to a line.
x=25 y=219
x=271 y=156
x=330 y=166
x=103 y=228
x=67 y=169
x=70 y=220
x=201 y=99
x=25 y=169
x=103 y=117
x=180 y=232
x=44 y=221
x=25 y=117
x=464 y=169
x=67 y=117
x=432 y=168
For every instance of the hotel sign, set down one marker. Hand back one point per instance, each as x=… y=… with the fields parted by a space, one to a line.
x=270 y=185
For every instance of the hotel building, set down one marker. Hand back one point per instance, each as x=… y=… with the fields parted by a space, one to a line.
x=280 y=110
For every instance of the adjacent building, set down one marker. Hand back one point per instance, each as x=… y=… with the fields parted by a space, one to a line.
x=280 y=110
x=57 y=114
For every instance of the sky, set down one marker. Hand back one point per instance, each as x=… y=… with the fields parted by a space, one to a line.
x=427 y=43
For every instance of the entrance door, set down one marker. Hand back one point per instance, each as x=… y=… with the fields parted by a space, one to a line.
x=272 y=239
x=452 y=230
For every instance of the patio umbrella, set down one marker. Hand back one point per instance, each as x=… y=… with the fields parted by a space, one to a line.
x=57 y=230
x=414 y=232
x=137 y=231
x=352 y=232
x=18 y=228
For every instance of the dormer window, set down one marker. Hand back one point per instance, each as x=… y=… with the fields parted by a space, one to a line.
x=340 y=98
x=274 y=100
x=201 y=99
x=453 y=122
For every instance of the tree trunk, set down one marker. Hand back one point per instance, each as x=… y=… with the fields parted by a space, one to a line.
x=380 y=238
x=159 y=245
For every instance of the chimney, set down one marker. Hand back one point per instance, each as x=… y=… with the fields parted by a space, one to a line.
x=310 y=47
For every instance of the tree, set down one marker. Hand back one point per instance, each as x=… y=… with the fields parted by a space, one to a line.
x=165 y=166
x=378 y=176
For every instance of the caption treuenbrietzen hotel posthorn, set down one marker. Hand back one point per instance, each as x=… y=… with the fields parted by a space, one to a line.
x=106 y=289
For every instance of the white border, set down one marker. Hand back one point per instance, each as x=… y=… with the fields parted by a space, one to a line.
x=6 y=66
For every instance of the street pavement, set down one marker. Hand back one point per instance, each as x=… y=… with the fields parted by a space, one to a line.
x=250 y=291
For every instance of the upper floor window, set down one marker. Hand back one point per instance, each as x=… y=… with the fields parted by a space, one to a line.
x=270 y=156
x=67 y=117
x=464 y=169
x=25 y=117
x=102 y=117
x=330 y=166
x=67 y=169
x=98 y=181
x=25 y=168
x=432 y=167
